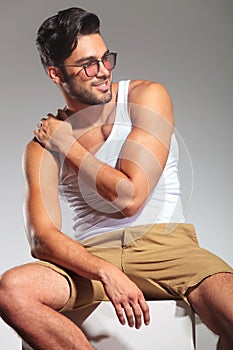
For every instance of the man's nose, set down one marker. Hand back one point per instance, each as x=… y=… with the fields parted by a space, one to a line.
x=103 y=71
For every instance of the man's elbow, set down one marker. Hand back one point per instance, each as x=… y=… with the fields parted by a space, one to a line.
x=132 y=208
x=36 y=243
x=37 y=248
x=129 y=200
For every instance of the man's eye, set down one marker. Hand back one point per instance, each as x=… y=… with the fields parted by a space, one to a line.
x=106 y=57
x=90 y=63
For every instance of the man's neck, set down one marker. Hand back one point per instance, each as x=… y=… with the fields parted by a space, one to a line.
x=97 y=111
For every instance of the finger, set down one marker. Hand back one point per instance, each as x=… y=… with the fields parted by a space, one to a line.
x=43 y=120
x=145 y=310
x=120 y=314
x=49 y=115
x=137 y=312
x=131 y=317
x=36 y=132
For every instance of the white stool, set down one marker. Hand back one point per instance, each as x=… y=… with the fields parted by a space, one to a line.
x=172 y=327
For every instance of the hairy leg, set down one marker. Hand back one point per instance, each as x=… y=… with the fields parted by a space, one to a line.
x=29 y=298
x=212 y=300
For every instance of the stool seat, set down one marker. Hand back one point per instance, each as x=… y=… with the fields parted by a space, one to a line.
x=172 y=327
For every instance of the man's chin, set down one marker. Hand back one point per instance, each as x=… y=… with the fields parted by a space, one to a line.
x=91 y=98
x=107 y=98
x=101 y=100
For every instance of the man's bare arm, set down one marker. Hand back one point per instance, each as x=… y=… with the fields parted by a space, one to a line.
x=48 y=242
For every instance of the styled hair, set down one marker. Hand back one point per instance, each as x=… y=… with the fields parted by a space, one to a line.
x=58 y=35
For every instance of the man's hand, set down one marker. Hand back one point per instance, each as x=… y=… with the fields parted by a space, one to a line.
x=126 y=297
x=55 y=134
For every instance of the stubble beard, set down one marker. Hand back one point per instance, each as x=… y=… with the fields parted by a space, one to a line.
x=87 y=97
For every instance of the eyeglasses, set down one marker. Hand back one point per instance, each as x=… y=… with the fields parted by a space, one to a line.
x=92 y=67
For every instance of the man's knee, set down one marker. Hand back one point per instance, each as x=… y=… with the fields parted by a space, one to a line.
x=13 y=288
x=32 y=283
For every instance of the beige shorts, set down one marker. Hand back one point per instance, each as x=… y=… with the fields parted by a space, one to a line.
x=163 y=261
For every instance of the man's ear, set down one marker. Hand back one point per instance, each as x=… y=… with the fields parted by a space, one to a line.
x=55 y=74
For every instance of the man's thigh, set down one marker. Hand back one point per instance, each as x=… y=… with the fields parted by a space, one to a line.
x=35 y=282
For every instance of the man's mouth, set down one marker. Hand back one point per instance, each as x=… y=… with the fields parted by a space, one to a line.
x=103 y=86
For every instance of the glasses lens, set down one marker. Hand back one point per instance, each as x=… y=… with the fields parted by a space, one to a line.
x=92 y=69
x=109 y=61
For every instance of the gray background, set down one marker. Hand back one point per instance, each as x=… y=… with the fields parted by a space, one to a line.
x=187 y=45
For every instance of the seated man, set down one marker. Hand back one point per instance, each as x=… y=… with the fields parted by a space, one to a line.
x=112 y=154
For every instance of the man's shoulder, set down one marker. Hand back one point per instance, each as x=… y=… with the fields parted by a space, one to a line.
x=35 y=153
x=143 y=84
x=33 y=147
x=152 y=96
x=146 y=89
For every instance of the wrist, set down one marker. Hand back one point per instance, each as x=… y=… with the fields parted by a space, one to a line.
x=105 y=272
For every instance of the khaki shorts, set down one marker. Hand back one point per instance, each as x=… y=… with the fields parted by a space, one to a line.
x=163 y=261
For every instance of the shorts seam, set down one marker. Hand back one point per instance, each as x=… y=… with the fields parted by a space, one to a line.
x=201 y=277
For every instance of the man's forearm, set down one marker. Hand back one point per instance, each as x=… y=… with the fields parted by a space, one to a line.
x=110 y=183
x=58 y=248
x=121 y=291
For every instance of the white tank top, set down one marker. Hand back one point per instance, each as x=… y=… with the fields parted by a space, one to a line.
x=92 y=215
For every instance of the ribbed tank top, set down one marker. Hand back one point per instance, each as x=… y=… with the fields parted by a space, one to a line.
x=92 y=215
